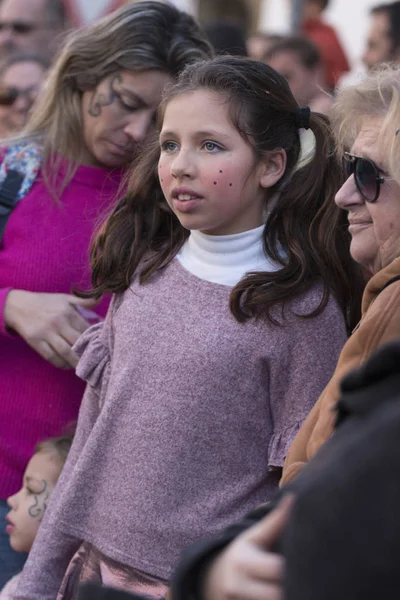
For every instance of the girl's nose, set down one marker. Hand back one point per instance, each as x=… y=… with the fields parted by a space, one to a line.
x=183 y=165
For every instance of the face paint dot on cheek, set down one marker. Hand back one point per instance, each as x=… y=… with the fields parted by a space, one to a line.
x=215 y=183
x=220 y=171
x=230 y=185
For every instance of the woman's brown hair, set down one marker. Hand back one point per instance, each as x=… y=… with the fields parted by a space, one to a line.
x=305 y=233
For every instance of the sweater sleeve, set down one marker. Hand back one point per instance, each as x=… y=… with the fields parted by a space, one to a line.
x=304 y=368
x=53 y=550
x=3 y=297
x=380 y=324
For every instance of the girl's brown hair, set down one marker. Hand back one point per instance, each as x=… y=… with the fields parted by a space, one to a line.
x=305 y=233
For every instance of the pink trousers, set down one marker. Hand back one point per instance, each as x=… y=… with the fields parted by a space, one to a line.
x=89 y=564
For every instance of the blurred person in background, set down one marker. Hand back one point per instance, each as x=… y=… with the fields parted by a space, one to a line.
x=226 y=38
x=383 y=42
x=35 y=26
x=299 y=61
x=326 y=39
x=259 y=43
x=96 y=110
x=21 y=78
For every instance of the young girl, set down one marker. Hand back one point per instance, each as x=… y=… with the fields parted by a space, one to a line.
x=232 y=279
x=30 y=502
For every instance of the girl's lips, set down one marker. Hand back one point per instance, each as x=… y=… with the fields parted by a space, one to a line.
x=10 y=528
x=185 y=206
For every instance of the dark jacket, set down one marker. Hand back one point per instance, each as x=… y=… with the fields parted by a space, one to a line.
x=342 y=541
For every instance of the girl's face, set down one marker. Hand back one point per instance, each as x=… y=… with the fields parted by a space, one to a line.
x=208 y=172
x=29 y=504
x=118 y=115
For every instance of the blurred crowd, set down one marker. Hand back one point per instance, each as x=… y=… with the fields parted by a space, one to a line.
x=199 y=317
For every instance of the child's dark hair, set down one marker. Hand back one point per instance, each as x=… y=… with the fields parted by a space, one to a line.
x=61 y=445
x=305 y=233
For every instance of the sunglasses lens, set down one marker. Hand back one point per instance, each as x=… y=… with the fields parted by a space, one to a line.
x=366 y=176
x=7 y=96
x=22 y=28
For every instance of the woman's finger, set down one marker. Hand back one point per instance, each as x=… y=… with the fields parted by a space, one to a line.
x=255 y=590
x=48 y=353
x=265 y=566
x=63 y=349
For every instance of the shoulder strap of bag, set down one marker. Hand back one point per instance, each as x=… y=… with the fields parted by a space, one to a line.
x=9 y=191
x=18 y=171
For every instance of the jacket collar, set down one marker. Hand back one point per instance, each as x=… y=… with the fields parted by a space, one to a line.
x=378 y=282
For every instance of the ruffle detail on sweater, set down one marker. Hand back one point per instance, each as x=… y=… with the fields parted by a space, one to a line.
x=94 y=356
x=280 y=443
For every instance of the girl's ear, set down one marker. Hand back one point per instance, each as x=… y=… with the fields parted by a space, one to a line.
x=272 y=168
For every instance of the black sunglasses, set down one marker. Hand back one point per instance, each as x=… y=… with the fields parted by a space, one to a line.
x=367 y=175
x=8 y=95
x=19 y=27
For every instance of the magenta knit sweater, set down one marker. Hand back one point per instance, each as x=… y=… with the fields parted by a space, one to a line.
x=44 y=249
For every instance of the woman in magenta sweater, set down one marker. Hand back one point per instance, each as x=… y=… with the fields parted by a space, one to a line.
x=97 y=108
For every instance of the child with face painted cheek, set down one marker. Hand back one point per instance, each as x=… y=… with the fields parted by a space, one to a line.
x=28 y=505
x=232 y=284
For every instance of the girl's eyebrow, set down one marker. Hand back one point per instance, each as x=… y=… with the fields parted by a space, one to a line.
x=205 y=134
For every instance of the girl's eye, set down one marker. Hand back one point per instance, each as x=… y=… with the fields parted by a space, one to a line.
x=211 y=146
x=169 y=146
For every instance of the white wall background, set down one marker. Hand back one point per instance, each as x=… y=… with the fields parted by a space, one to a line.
x=350 y=17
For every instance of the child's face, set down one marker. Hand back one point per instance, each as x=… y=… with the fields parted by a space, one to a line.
x=207 y=171
x=28 y=505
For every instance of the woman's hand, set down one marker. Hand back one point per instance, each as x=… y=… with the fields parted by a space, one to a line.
x=247 y=569
x=49 y=323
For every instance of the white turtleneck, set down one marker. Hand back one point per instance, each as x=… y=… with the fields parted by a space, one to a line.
x=225 y=259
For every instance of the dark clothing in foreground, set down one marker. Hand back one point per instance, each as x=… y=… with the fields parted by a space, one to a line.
x=342 y=541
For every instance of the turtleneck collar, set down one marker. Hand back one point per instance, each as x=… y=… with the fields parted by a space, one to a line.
x=225 y=259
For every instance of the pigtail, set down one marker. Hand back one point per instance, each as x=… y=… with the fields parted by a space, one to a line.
x=318 y=252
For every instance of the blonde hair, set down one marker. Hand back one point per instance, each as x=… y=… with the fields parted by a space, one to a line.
x=144 y=35
x=376 y=95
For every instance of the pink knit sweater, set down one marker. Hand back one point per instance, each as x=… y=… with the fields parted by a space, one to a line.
x=185 y=418
x=44 y=249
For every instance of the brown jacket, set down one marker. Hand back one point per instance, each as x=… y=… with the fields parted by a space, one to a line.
x=380 y=323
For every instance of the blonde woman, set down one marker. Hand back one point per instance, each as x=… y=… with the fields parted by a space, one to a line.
x=97 y=109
